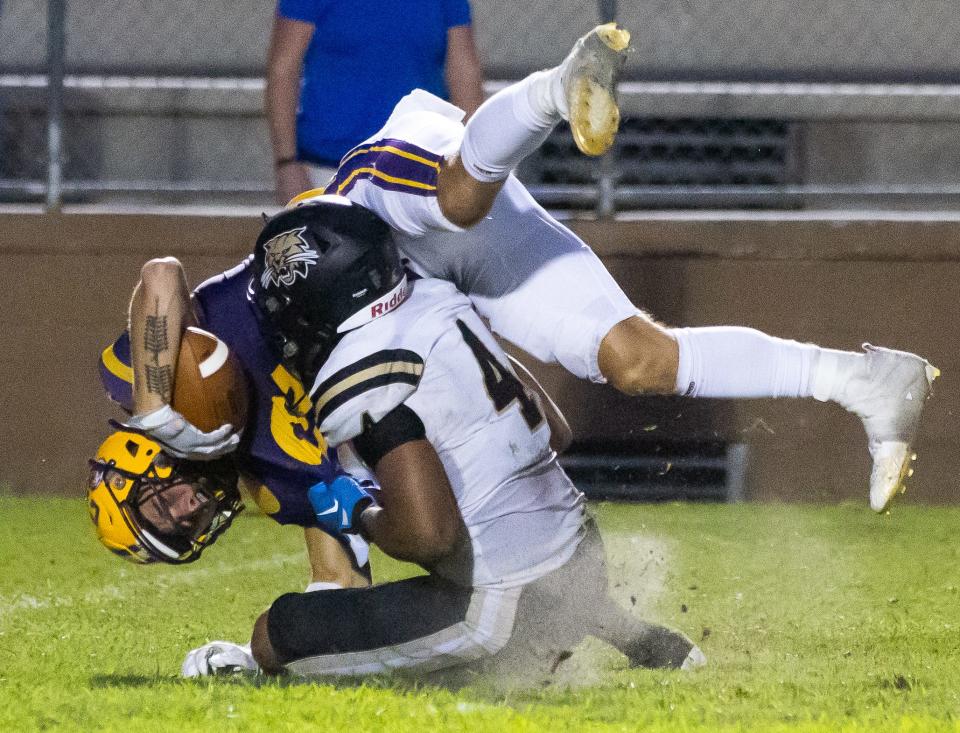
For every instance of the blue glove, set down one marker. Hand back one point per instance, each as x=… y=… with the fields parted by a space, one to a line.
x=338 y=503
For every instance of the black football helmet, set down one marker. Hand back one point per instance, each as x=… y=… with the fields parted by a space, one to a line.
x=320 y=269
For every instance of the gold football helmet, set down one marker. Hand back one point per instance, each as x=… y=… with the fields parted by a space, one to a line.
x=148 y=506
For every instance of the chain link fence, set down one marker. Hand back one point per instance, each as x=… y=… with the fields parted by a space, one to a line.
x=745 y=103
x=23 y=147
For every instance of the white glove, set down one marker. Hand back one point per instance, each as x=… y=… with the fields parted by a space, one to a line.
x=218 y=657
x=183 y=440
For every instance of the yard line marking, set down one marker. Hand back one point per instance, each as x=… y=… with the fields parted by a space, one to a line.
x=26 y=602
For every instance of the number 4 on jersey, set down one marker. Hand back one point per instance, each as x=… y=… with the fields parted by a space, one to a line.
x=502 y=386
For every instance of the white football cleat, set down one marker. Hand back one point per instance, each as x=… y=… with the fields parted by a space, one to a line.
x=888 y=396
x=589 y=79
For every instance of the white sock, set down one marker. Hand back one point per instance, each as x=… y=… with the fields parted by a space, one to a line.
x=322 y=585
x=730 y=361
x=833 y=371
x=512 y=124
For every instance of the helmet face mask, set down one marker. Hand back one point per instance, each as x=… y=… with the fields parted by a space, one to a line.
x=319 y=270
x=149 y=507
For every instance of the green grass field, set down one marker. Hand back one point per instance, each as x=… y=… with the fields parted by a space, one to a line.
x=812 y=618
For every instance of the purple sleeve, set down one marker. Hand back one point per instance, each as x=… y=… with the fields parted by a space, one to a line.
x=116 y=374
x=308 y=11
x=456 y=12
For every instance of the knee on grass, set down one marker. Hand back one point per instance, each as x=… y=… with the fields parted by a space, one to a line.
x=262 y=649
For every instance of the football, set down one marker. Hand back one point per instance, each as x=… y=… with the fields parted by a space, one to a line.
x=209 y=388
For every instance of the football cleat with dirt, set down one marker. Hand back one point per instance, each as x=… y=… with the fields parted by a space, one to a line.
x=888 y=395
x=589 y=78
x=663 y=648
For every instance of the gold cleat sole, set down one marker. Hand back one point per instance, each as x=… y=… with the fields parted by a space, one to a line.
x=892 y=465
x=614 y=36
x=881 y=502
x=590 y=87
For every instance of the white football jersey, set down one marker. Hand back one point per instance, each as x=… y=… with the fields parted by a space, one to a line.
x=534 y=281
x=434 y=355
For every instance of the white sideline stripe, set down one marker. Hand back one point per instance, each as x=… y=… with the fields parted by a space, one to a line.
x=216 y=360
x=131 y=587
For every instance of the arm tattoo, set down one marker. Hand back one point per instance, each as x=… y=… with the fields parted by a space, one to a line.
x=159 y=377
x=155 y=336
x=160 y=381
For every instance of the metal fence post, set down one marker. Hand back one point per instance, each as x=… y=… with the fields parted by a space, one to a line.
x=607 y=10
x=56 y=51
x=606 y=181
x=606 y=186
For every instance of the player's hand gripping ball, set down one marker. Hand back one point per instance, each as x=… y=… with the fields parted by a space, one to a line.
x=209 y=405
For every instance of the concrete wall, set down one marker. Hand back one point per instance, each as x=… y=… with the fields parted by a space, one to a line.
x=65 y=282
x=926 y=153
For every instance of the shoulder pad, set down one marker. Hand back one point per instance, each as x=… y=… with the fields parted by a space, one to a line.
x=372 y=385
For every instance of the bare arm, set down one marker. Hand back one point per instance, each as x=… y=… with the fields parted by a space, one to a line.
x=462 y=69
x=560 y=433
x=329 y=561
x=419 y=520
x=160 y=310
x=289 y=40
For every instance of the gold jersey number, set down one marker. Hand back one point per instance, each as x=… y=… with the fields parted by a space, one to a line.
x=293 y=421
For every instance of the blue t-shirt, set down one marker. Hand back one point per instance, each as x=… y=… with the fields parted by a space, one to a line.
x=364 y=56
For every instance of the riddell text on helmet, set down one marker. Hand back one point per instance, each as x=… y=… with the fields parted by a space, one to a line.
x=396 y=297
x=378 y=308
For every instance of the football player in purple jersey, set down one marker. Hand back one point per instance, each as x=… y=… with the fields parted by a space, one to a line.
x=281 y=453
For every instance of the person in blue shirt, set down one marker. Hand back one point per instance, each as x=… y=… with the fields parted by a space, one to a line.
x=335 y=71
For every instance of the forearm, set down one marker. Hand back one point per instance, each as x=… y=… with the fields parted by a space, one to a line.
x=288 y=44
x=392 y=534
x=329 y=560
x=466 y=89
x=417 y=519
x=282 y=96
x=462 y=70
x=159 y=312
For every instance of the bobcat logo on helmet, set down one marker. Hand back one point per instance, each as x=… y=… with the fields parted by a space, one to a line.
x=287 y=256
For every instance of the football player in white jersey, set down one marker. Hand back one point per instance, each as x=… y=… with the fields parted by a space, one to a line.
x=459 y=214
x=469 y=485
